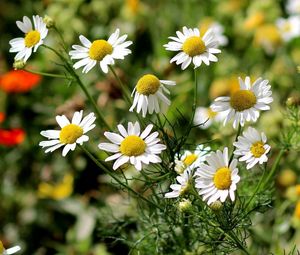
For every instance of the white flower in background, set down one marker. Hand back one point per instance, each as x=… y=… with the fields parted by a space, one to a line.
x=193 y=47
x=11 y=250
x=100 y=51
x=217 y=179
x=33 y=37
x=205 y=117
x=70 y=134
x=252 y=148
x=133 y=146
x=293 y=7
x=289 y=28
x=245 y=103
x=181 y=188
x=190 y=159
x=147 y=93
x=218 y=30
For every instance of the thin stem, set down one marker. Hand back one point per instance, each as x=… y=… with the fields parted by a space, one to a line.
x=107 y=171
x=256 y=190
x=48 y=74
x=236 y=138
x=123 y=87
x=55 y=51
x=125 y=92
x=90 y=98
x=195 y=96
x=70 y=69
x=274 y=167
x=61 y=38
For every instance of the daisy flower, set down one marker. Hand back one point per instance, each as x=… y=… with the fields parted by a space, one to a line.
x=252 y=147
x=70 y=134
x=293 y=7
x=289 y=28
x=33 y=37
x=193 y=47
x=217 y=179
x=190 y=159
x=147 y=93
x=100 y=51
x=245 y=103
x=182 y=187
x=218 y=30
x=133 y=146
x=205 y=117
x=11 y=250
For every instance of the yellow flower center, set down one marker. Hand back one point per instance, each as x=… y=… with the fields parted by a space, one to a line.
x=32 y=38
x=193 y=46
x=297 y=187
x=70 y=133
x=99 y=49
x=211 y=114
x=184 y=189
x=257 y=149
x=1 y=248
x=190 y=159
x=297 y=210
x=222 y=178
x=287 y=27
x=242 y=100
x=148 y=85
x=132 y=145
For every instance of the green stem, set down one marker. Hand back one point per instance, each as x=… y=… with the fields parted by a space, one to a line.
x=55 y=51
x=125 y=93
x=70 y=69
x=255 y=192
x=90 y=98
x=48 y=74
x=195 y=96
x=107 y=171
x=61 y=38
x=236 y=138
x=274 y=166
x=123 y=87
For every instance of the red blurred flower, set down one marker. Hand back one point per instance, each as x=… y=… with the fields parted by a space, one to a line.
x=11 y=137
x=2 y=117
x=18 y=81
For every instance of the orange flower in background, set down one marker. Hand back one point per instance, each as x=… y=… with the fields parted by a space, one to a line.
x=11 y=137
x=2 y=117
x=18 y=81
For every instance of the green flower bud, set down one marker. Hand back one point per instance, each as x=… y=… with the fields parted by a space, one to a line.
x=185 y=206
x=216 y=206
x=19 y=64
x=48 y=21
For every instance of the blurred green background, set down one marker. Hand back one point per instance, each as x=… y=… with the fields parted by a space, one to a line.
x=55 y=205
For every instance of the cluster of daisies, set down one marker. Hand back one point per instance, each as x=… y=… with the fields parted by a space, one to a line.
x=213 y=174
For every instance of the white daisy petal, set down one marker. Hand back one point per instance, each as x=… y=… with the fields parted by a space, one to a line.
x=147 y=94
x=196 y=48
x=246 y=103
x=133 y=146
x=215 y=180
x=33 y=38
x=252 y=148
x=93 y=53
x=69 y=135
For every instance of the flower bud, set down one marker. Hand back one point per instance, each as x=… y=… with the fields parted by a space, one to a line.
x=293 y=101
x=185 y=206
x=216 y=206
x=19 y=64
x=48 y=21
